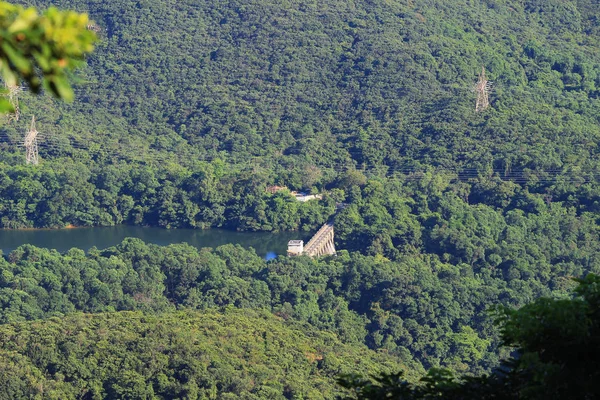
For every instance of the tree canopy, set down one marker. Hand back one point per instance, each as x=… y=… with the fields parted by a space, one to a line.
x=188 y=111
x=556 y=342
x=225 y=354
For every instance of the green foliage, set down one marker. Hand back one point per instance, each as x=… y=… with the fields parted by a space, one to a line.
x=424 y=311
x=187 y=111
x=40 y=48
x=557 y=347
x=56 y=195
x=185 y=354
x=558 y=344
x=316 y=98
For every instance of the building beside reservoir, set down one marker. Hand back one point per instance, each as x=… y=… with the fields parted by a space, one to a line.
x=300 y=196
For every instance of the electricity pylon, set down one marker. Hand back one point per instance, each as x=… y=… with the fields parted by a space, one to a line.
x=483 y=89
x=13 y=98
x=31 y=145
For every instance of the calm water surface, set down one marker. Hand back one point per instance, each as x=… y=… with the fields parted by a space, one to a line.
x=266 y=244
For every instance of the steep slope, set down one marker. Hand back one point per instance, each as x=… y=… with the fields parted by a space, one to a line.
x=339 y=82
x=188 y=110
x=296 y=93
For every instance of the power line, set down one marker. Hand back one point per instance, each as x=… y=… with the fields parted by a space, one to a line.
x=31 y=144
x=119 y=152
x=13 y=98
x=483 y=88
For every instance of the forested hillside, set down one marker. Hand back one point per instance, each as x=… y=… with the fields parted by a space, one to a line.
x=222 y=93
x=210 y=355
x=187 y=111
x=424 y=311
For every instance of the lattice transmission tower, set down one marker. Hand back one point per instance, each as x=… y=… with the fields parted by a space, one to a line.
x=31 y=144
x=483 y=89
x=13 y=98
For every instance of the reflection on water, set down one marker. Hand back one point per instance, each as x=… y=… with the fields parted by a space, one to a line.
x=267 y=245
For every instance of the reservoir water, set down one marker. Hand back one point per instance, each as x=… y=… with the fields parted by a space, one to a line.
x=266 y=244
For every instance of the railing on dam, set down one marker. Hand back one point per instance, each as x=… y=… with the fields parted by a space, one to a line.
x=319 y=245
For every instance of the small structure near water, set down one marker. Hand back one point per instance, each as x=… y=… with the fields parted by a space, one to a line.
x=295 y=248
x=300 y=196
x=321 y=244
x=306 y=197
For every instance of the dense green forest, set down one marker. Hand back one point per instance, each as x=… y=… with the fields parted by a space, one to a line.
x=255 y=332
x=187 y=111
x=556 y=342
x=185 y=107
x=426 y=312
x=211 y=355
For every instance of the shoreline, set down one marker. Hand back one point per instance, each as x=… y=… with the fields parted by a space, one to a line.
x=69 y=226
